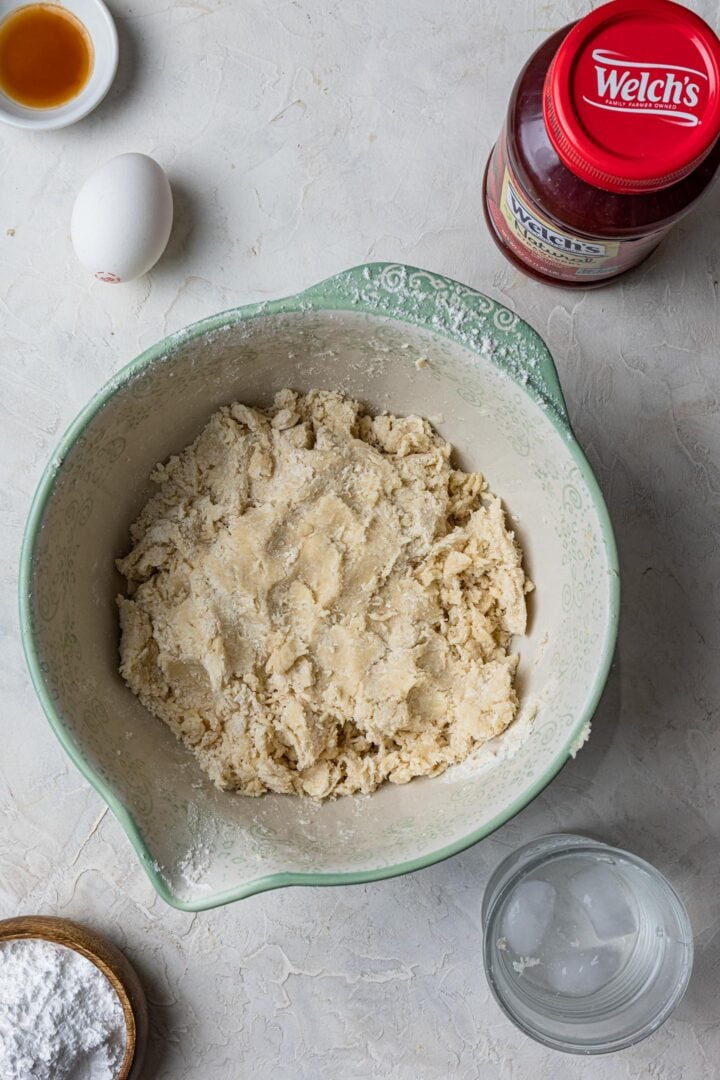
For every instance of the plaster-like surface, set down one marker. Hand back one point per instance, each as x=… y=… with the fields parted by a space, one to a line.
x=301 y=138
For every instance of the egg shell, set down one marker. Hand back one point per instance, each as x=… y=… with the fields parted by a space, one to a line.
x=122 y=218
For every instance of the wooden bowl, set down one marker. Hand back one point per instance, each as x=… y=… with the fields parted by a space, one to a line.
x=114 y=966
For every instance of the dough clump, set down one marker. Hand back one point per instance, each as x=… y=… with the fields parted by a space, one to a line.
x=318 y=601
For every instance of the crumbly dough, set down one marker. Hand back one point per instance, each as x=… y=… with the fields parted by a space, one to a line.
x=318 y=601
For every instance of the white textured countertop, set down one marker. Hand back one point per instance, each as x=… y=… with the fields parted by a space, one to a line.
x=302 y=137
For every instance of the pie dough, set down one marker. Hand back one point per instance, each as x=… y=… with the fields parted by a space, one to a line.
x=318 y=601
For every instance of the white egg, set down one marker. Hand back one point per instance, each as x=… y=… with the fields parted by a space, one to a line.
x=122 y=218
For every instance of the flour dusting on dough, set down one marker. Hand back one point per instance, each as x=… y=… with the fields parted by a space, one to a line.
x=319 y=602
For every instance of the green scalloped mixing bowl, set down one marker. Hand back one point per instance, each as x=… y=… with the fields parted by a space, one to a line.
x=399 y=339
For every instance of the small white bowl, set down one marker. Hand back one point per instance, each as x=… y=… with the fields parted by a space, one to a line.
x=99 y=24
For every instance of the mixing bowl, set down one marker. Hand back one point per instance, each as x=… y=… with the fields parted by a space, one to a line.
x=399 y=339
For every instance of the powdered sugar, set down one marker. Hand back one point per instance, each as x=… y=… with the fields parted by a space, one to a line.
x=60 y=1018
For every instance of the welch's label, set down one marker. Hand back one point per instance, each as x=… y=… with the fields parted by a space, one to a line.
x=668 y=91
x=537 y=232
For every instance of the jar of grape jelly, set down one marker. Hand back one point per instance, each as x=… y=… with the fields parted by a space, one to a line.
x=611 y=136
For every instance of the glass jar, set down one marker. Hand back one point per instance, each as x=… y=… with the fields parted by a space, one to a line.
x=611 y=137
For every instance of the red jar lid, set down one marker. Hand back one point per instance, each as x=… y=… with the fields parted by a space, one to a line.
x=632 y=97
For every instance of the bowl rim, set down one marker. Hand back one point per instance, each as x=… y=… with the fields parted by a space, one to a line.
x=429 y=301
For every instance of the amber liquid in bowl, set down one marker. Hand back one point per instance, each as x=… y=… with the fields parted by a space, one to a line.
x=46 y=56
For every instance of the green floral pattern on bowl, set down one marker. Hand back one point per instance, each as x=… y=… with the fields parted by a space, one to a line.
x=399 y=338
